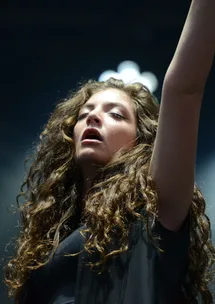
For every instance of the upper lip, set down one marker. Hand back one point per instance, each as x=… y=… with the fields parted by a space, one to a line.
x=91 y=131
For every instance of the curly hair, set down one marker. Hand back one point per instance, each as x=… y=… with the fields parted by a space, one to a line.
x=53 y=206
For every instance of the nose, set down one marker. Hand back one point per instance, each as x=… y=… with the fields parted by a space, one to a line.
x=93 y=119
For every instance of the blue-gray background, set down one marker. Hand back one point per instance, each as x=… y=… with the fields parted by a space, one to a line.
x=47 y=47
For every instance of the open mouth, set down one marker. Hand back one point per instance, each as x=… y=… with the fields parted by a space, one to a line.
x=91 y=135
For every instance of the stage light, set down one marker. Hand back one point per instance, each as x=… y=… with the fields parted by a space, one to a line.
x=129 y=72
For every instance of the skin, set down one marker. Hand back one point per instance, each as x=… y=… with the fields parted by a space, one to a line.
x=118 y=132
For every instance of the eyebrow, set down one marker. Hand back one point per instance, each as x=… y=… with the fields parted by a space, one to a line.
x=91 y=106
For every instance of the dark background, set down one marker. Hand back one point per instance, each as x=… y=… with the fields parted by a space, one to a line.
x=48 y=47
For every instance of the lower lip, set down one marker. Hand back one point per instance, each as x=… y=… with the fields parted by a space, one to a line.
x=91 y=141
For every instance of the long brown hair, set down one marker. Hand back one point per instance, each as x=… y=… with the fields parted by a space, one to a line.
x=52 y=206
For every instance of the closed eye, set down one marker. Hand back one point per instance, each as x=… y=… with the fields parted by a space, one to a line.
x=112 y=113
x=117 y=115
x=82 y=116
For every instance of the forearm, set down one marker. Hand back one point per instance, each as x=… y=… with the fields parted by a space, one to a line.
x=193 y=57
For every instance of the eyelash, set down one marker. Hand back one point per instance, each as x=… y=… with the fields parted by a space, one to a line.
x=118 y=115
x=82 y=116
x=112 y=113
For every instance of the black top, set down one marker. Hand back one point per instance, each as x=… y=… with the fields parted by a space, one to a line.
x=142 y=275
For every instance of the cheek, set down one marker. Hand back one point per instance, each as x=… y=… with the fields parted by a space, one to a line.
x=122 y=137
x=76 y=132
x=75 y=137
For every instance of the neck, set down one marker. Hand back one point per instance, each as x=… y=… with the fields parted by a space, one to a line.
x=90 y=174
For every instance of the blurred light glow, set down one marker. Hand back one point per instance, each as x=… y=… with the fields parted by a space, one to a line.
x=129 y=72
x=128 y=65
x=107 y=74
x=150 y=80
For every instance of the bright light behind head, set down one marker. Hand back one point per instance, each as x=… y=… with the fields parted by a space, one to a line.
x=107 y=74
x=129 y=72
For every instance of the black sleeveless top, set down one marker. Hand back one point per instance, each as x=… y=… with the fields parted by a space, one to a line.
x=142 y=275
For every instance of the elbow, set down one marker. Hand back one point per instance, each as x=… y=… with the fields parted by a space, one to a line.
x=181 y=85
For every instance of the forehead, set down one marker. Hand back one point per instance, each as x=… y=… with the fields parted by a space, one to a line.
x=114 y=96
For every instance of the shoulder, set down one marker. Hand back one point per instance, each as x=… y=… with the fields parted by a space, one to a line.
x=173 y=246
x=163 y=239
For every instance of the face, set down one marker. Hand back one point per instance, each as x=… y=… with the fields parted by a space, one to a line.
x=111 y=113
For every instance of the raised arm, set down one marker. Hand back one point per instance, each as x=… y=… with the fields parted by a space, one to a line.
x=173 y=160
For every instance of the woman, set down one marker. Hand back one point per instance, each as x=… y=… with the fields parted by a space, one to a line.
x=111 y=212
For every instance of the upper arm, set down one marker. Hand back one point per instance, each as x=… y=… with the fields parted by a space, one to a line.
x=173 y=160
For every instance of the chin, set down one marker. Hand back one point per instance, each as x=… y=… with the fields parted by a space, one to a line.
x=91 y=158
